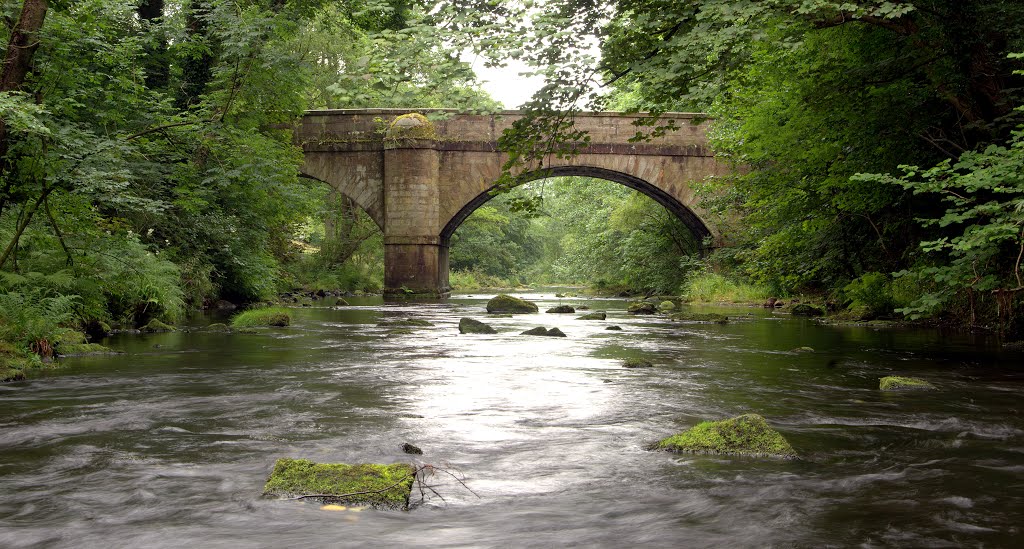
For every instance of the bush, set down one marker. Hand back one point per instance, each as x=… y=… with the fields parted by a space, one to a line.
x=270 y=316
x=872 y=290
x=709 y=287
x=33 y=320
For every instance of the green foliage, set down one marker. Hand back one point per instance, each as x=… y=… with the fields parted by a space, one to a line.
x=268 y=316
x=873 y=291
x=34 y=319
x=711 y=287
x=473 y=280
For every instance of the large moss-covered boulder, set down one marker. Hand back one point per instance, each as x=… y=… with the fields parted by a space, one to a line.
x=267 y=316
x=642 y=308
x=374 y=485
x=667 y=306
x=471 y=326
x=746 y=435
x=598 y=315
x=561 y=309
x=805 y=309
x=899 y=383
x=506 y=304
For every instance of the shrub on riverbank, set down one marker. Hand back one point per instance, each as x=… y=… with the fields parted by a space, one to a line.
x=709 y=287
x=472 y=280
x=269 y=316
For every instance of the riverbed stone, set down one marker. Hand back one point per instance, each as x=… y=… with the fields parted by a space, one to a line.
x=642 y=308
x=542 y=331
x=637 y=363
x=561 y=309
x=701 y=317
x=411 y=449
x=506 y=304
x=375 y=485
x=899 y=383
x=598 y=315
x=155 y=326
x=218 y=327
x=666 y=305
x=614 y=328
x=746 y=435
x=805 y=309
x=406 y=323
x=471 y=326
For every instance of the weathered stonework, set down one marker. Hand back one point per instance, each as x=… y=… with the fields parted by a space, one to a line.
x=419 y=179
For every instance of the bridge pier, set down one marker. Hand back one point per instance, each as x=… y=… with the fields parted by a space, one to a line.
x=415 y=261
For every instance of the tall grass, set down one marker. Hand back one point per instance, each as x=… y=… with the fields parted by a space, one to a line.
x=472 y=280
x=709 y=287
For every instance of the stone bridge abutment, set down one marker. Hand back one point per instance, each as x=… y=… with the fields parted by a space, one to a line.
x=419 y=179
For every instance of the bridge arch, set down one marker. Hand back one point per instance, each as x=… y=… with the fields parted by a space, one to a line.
x=419 y=187
x=686 y=215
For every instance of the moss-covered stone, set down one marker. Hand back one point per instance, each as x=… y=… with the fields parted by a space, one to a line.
x=666 y=305
x=642 y=308
x=746 y=435
x=268 y=316
x=636 y=363
x=406 y=323
x=614 y=328
x=83 y=349
x=805 y=309
x=597 y=315
x=412 y=449
x=804 y=350
x=340 y=302
x=542 y=331
x=898 y=383
x=701 y=317
x=506 y=304
x=471 y=326
x=375 y=485
x=155 y=326
x=561 y=309
x=411 y=126
x=218 y=327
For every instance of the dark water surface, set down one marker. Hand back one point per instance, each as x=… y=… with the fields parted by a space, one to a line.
x=169 y=446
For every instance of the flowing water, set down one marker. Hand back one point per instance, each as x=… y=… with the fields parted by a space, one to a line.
x=169 y=444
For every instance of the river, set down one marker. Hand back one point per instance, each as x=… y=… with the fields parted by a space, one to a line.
x=169 y=444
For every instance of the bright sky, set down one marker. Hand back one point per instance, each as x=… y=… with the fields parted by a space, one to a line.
x=505 y=84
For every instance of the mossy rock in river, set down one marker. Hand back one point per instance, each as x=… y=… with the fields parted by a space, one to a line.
x=268 y=316
x=666 y=306
x=84 y=349
x=561 y=309
x=155 y=326
x=406 y=322
x=471 y=326
x=642 y=308
x=542 y=331
x=701 y=317
x=375 y=485
x=506 y=304
x=898 y=383
x=599 y=315
x=218 y=327
x=636 y=363
x=746 y=435
x=804 y=309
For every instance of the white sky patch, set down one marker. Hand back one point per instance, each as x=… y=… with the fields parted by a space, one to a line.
x=506 y=84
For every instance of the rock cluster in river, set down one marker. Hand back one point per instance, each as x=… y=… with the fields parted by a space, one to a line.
x=542 y=331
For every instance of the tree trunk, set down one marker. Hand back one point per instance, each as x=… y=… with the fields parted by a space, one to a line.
x=17 y=62
x=155 y=63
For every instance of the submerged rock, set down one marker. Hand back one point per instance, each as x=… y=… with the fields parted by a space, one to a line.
x=746 y=435
x=898 y=383
x=470 y=326
x=405 y=322
x=340 y=302
x=541 y=331
x=614 y=328
x=599 y=315
x=218 y=327
x=803 y=350
x=803 y=309
x=561 y=309
x=636 y=363
x=642 y=308
x=411 y=449
x=510 y=305
x=701 y=317
x=376 y=485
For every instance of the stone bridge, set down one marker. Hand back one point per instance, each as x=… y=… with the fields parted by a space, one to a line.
x=419 y=179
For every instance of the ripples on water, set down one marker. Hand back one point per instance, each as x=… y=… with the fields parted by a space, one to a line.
x=170 y=446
